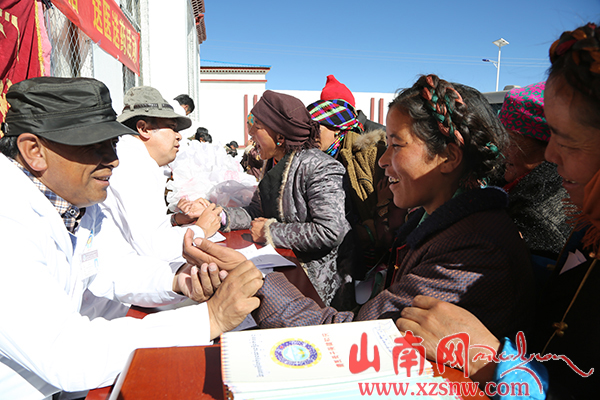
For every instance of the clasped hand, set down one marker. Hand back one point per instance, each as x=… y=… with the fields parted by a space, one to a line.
x=202 y=213
x=234 y=299
x=198 y=283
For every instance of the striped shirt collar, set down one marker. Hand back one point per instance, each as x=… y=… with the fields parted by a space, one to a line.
x=68 y=212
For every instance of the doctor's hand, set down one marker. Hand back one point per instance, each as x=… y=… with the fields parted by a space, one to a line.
x=193 y=209
x=258 y=231
x=205 y=251
x=210 y=220
x=198 y=283
x=234 y=299
x=433 y=320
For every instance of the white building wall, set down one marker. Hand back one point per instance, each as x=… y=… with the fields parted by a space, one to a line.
x=169 y=32
x=167 y=42
x=222 y=106
x=109 y=71
x=193 y=60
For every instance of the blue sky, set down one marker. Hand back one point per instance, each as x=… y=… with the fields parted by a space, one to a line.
x=383 y=45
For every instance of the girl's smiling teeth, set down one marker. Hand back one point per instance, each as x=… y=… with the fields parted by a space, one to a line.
x=393 y=180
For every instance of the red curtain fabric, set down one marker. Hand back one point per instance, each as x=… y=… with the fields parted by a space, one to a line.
x=104 y=22
x=20 y=46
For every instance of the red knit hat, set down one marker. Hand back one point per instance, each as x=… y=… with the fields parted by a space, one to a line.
x=335 y=90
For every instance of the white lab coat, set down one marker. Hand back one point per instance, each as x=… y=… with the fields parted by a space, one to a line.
x=47 y=275
x=136 y=203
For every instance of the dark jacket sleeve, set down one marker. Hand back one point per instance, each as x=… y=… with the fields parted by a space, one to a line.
x=241 y=217
x=282 y=305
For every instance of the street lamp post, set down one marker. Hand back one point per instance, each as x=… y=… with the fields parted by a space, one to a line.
x=500 y=42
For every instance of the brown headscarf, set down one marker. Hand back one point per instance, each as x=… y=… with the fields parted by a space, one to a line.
x=287 y=115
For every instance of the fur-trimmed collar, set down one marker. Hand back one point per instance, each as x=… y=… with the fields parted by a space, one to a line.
x=449 y=213
x=368 y=139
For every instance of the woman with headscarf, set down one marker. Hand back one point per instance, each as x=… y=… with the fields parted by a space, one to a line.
x=567 y=323
x=342 y=137
x=299 y=203
x=535 y=192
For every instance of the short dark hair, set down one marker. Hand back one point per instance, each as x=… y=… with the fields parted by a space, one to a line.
x=8 y=146
x=202 y=133
x=187 y=100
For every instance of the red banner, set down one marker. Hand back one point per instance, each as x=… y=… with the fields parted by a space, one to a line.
x=20 y=46
x=104 y=22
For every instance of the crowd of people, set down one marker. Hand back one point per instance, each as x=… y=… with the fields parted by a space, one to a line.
x=460 y=221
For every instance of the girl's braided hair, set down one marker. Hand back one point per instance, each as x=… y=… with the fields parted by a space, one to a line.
x=445 y=113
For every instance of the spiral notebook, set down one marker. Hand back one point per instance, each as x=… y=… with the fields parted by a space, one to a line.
x=324 y=361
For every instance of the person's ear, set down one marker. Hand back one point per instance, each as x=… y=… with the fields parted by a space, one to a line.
x=280 y=140
x=453 y=158
x=143 y=128
x=32 y=152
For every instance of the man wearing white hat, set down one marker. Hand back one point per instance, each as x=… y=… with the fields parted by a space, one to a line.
x=136 y=197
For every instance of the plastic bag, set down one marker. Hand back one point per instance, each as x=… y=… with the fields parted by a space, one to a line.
x=231 y=194
x=199 y=167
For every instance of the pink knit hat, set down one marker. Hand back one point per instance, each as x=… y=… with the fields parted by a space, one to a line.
x=334 y=90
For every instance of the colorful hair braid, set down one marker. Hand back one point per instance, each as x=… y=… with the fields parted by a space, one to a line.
x=575 y=57
x=583 y=44
x=442 y=107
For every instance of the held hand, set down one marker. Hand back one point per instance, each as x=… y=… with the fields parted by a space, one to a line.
x=193 y=209
x=210 y=220
x=433 y=319
x=206 y=251
x=199 y=284
x=257 y=229
x=235 y=299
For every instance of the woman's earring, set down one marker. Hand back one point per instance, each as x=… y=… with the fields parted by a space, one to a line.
x=278 y=143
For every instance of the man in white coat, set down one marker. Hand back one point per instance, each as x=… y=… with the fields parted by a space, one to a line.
x=59 y=265
x=136 y=196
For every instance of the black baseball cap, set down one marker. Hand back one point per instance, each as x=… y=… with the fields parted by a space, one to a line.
x=73 y=111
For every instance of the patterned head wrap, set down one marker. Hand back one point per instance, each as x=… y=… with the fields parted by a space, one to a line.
x=336 y=114
x=523 y=112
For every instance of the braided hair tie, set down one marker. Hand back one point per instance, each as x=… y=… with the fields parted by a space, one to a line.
x=559 y=48
x=442 y=111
